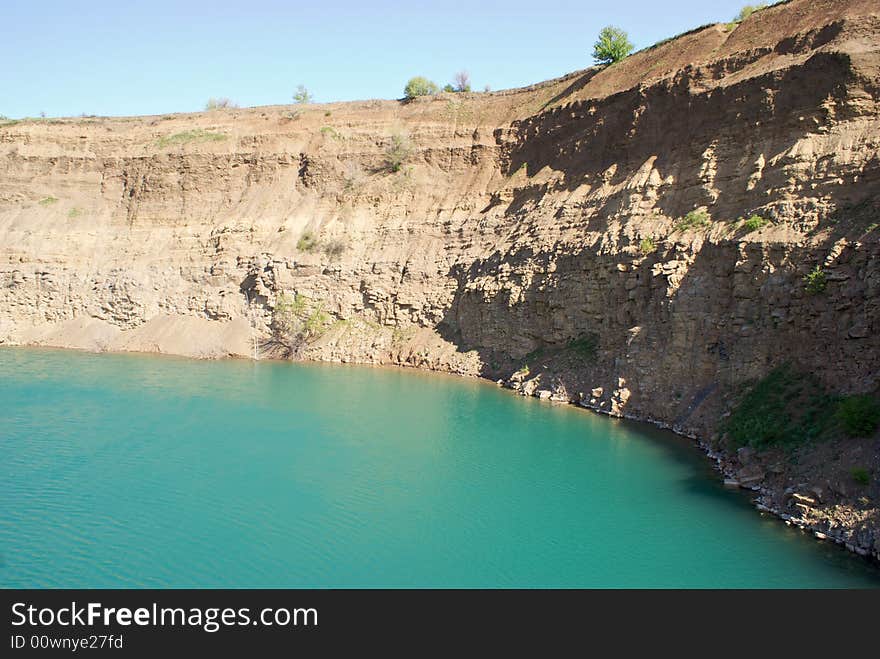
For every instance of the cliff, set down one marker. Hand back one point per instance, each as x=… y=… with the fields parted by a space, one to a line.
x=648 y=239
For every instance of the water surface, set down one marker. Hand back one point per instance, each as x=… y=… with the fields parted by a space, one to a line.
x=136 y=471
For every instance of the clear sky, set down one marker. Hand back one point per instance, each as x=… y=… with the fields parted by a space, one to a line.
x=127 y=57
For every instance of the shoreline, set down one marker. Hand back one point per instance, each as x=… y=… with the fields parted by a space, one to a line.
x=721 y=463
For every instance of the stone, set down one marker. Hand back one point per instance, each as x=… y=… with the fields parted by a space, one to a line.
x=750 y=475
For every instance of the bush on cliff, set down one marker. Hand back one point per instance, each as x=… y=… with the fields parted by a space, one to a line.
x=859 y=415
x=295 y=321
x=815 y=281
x=397 y=151
x=696 y=219
x=612 y=45
x=220 y=104
x=754 y=223
x=747 y=11
x=784 y=408
x=419 y=86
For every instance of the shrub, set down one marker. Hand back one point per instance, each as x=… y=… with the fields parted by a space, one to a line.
x=585 y=345
x=74 y=213
x=296 y=320
x=462 y=82
x=747 y=11
x=419 y=86
x=220 y=104
x=48 y=201
x=612 y=45
x=647 y=246
x=302 y=95
x=335 y=247
x=815 y=281
x=307 y=242
x=859 y=415
x=754 y=223
x=397 y=151
x=448 y=88
x=696 y=219
x=860 y=475
x=197 y=135
x=784 y=408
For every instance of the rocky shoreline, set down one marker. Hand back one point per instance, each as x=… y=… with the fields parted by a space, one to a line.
x=795 y=506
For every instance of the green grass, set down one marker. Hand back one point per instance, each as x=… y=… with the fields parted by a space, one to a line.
x=295 y=305
x=585 y=346
x=48 y=201
x=754 y=223
x=307 y=242
x=74 y=213
x=647 y=246
x=860 y=475
x=695 y=220
x=815 y=281
x=330 y=132
x=858 y=415
x=187 y=136
x=785 y=408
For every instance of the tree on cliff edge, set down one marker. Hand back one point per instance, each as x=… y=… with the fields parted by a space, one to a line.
x=612 y=45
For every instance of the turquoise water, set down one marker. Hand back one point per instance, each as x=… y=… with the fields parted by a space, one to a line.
x=134 y=471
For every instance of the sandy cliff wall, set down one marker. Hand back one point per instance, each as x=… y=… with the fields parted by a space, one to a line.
x=533 y=236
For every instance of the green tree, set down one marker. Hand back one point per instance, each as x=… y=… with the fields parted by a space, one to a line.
x=747 y=11
x=302 y=95
x=419 y=86
x=612 y=45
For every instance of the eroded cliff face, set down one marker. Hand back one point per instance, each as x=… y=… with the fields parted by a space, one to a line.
x=581 y=240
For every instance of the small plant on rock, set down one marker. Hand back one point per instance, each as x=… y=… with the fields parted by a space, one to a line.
x=307 y=242
x=694 y=220
x=754 y=223
x=815 y=281
x=647 y=246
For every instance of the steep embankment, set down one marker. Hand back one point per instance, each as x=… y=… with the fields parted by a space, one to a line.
x=581 y=239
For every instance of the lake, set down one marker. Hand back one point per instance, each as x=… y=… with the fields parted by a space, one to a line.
x=143 y=471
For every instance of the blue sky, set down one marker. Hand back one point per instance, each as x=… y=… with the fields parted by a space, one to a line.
x=129 y=57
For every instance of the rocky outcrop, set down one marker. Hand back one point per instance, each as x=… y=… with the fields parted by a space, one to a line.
x=581 y=240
